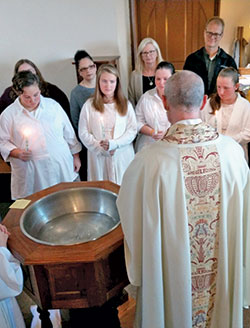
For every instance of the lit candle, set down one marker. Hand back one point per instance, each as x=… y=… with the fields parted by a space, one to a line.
x=155 y=125
x=26 y=134
x=215 y=120
x=102 y=126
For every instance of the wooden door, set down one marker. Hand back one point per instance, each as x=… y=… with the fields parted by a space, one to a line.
x=176 y=25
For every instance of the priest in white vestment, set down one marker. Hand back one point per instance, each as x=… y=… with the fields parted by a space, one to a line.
x=183 y=205
x=11 y=284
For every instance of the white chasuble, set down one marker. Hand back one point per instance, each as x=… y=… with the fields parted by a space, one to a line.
x=184 y=209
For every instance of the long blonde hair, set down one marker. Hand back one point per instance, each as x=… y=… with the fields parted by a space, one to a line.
x=139 y=65
x=119 y=98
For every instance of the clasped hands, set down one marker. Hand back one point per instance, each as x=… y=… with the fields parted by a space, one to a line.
x=105 y=145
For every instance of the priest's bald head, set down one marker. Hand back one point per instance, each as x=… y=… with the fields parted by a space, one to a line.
x=184 y=96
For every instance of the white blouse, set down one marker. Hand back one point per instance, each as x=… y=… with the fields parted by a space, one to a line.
x=150 y=111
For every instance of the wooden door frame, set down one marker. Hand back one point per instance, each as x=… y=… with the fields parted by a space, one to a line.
x=134 y=26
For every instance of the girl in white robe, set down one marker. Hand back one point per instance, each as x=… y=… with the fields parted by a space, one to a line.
x=107 y=127
x=11 y=285
x=38 y=140
x=227 y=111
x=152 y=120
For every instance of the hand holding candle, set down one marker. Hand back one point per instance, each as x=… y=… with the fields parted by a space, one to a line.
x=155 y=125
x=215 y=120
x=102 y=127
x=26 y=134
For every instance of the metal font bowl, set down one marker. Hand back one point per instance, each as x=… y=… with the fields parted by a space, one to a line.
x=71 y=216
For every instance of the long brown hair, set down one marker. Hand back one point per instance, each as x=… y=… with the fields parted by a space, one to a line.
x=215 y=101
x=119 y=98
x=43 y=84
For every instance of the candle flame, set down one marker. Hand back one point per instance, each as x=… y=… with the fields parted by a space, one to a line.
x=27 y=132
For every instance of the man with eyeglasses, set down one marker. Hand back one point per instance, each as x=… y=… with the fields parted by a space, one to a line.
x=210 y=59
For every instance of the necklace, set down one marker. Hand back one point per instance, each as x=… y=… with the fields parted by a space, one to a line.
x=151 y=82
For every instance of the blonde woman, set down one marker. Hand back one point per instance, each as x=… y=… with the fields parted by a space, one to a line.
x=107 y=127
x=142 y=78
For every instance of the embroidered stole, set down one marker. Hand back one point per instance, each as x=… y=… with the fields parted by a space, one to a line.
x=201 y=172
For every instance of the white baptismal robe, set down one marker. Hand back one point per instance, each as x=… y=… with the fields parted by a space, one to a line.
x=238 y=125
x=51 y=139
x=92 y=129
x=150 y=111
x=11 y=284
x=154 y=208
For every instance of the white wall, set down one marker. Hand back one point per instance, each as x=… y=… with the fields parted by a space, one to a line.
x=235 y=13
x=50 y=32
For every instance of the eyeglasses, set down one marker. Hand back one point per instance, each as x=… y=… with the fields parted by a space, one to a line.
x=211 y=34
x=145 y=53
x=84 y=69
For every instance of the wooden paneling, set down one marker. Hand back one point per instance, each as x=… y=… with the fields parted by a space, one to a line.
x=151 y=20
x=176 y=25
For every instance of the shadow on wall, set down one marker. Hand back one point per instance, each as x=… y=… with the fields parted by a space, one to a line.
x=61 y=73
x=100 y=49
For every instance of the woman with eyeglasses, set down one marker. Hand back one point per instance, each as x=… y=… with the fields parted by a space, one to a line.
x=152 y=120
x=227 y=111
x=86 y=69
x=142 y=78
x=107 y=127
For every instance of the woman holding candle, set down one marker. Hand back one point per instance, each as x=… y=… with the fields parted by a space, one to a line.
x=227 y=111
x=152 y=120
x=142 y=78
x=107 y=127
x=38 y=139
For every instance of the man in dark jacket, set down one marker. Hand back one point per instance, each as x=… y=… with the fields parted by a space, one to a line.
x=210 y=59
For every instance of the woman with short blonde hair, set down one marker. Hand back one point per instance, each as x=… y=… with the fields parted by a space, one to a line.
x=148 y=56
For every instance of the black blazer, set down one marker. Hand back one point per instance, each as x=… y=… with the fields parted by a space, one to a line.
x=195 y=62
